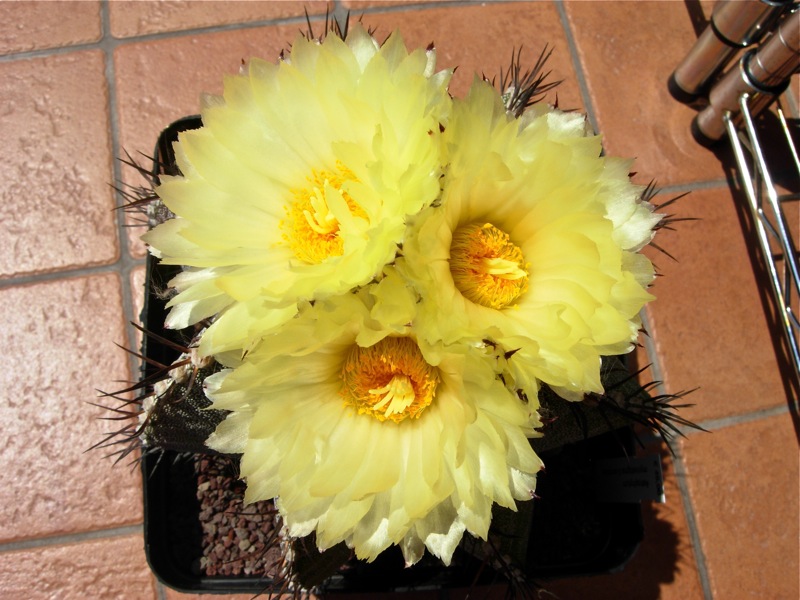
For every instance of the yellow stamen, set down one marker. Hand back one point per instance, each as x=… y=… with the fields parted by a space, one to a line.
x=322 y=220
x=389 y=380
x=311 y=228
x=487 y=267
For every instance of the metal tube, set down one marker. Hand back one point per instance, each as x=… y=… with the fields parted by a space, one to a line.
x=762 y=74
x=779 y=56
x=707 y=126
x=739 y=23
x=784 y=288
x=734 y=25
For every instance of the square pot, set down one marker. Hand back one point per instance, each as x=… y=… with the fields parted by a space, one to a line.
x=571 y=532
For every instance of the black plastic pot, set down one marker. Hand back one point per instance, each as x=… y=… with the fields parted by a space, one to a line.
x=571 y=532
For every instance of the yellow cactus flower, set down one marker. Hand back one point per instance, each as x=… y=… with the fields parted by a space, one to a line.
x=299 y=182
x=533 y=245
x=395 y=443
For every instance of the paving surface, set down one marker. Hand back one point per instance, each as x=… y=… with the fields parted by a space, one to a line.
x=81 y=81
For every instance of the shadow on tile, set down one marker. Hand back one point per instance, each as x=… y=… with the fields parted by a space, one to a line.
x=697 y=15
x=663 y=566
x=786 y=177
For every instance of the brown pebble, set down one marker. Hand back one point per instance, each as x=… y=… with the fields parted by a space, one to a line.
x=234 y=535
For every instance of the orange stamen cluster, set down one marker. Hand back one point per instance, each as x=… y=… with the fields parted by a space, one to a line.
x=487 y=267
x=311 y=228
x=389 y=380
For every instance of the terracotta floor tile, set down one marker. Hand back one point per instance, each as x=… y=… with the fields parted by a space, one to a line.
x=58 y=346
x=161 y=81
x=778 y=153
x=743 y=482
x=137 y=290
x=138 y=277
x=151 y=97
x=628 y=57
x=792 y=101
x=708 y=325
x=708 y=321
x=37 y=25
x=156 y=86
x=663 y=567
x=175 y=595
x=480 y=39
x=136 y=247
x=57 y=207
x=129 y=18
x=105 y=568
x=487 y=593
x=135 y=221
x=356 y=5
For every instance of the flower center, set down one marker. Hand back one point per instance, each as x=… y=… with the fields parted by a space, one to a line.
x=487 y=267
x=389 y=380
x=311 y=228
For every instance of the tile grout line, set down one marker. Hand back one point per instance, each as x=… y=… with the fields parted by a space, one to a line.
x=649 y=342
x=679 y=467
x=127 y=263
x=650 y=348
x=107 y=38
x=591 y=113
x=694 y=186
x=124 y=266
x=412 y=7
x=67 y=273
x=691 y=521
x=742 y=419
x=47 y=52
x=70 y=538
x=338 y=9
x=107 y=43
x=580 y=76
x=339 y=13
x=161 y=593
